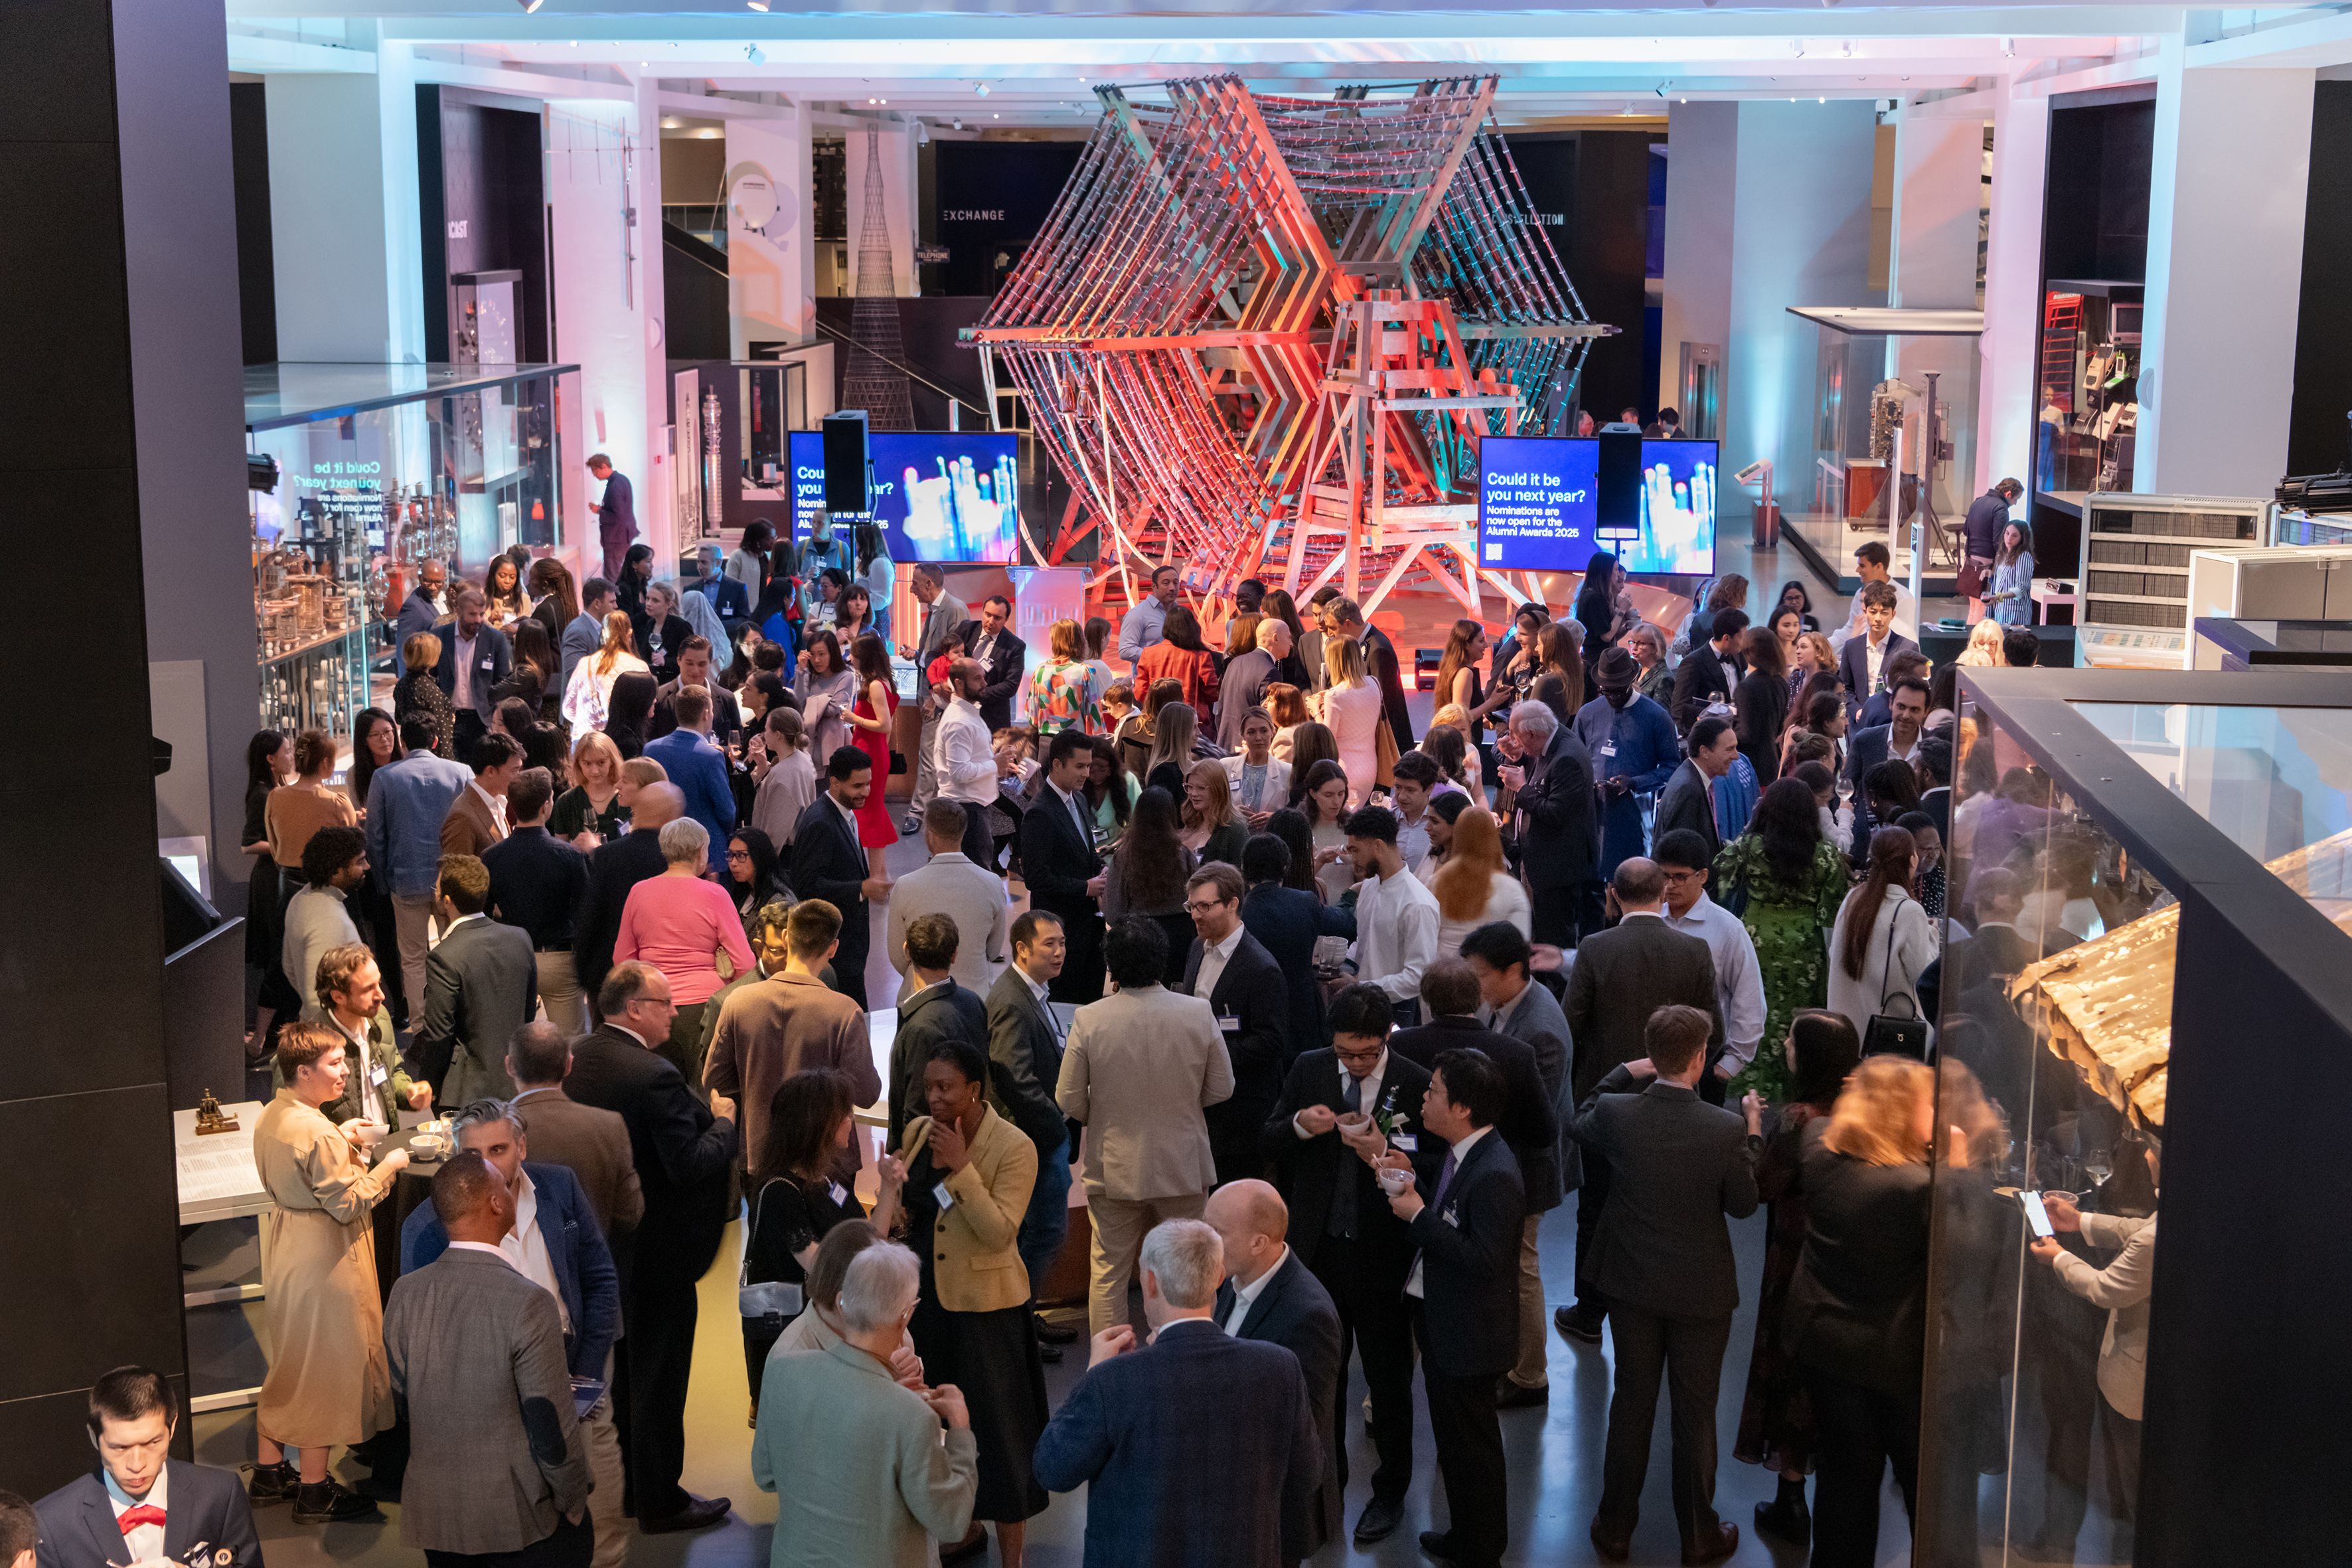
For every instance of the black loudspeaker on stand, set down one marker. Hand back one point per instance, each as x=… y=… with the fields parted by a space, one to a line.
x=848 y=471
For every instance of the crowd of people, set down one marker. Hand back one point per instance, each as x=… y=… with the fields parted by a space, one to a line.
x=1324 y=1015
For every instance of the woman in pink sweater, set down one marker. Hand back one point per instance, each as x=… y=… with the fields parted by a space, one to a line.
x=680 y=924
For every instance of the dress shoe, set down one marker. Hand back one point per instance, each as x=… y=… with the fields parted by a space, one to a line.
x=1791 y=1522
x=271 y=1484
x=1378 y=1522
x=970 y=1549
x=326 y=1502
x=1050 y=1354
x=1726 y=1542
x=1052 y=1332
x=1438 y=1543
x=1509 y=1395
x=1613 y=1546
x=1579 y=1322
x=698 y=1513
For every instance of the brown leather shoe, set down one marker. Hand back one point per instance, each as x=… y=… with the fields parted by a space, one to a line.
x=1726 y=1542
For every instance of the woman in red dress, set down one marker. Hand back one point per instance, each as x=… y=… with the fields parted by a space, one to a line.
x=869 y=718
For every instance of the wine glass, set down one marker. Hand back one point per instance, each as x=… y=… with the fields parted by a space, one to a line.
x=2099 y=1165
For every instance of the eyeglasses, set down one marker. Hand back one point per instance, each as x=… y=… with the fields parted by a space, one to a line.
x=1194 y=907
x=1676 y=879
x=739 y=854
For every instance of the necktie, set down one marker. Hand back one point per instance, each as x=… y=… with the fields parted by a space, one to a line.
x=1343 y=1191
x=1444 y=1180
x=132 y=1517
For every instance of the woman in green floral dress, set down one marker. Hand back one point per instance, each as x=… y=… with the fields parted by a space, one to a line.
x=1787 y=881
x=1061 y=694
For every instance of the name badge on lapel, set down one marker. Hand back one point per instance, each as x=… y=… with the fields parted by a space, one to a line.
x=1407 y=1142
x=1231 y=1023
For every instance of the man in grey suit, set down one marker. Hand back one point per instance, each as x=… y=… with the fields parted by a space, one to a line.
x=481 y=985
x=586 y=632
x=1621 y=976
x=1140 y=1067
x=941 y=632
x=496 y=1470
x=951 y=883
x=1663 y=1260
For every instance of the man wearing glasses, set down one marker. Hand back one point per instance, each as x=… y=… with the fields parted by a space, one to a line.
x=1683 y=856
x=1233 y=972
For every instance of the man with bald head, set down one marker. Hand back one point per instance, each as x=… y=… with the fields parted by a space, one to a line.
x=1270 y=1294
x=615 y=867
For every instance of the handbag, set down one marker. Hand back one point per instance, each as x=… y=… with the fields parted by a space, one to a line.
x=769 y=1298
x=1385 y=754
x=1889 y=1035
x=1969 y=581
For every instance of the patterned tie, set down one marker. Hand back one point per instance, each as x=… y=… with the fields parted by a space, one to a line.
x=1342 y=1221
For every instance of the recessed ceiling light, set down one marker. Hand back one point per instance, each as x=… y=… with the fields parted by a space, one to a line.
x=760 y=6
x=1821 y=100
x=530 y=5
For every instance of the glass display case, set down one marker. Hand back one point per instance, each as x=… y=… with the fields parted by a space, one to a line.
x=358 y=474
x=1886 y=397
x=2087 y=398
x=2150 y=881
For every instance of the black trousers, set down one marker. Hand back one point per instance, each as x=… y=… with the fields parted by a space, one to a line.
x=1564 y=916
x=1591 y=1198
x=1469 y=1456
x=652 y=1364
x=1375 y=1327
x=1859 y=1431
x=979 y=838
x=1081 y=980
x=856 y=945
x=1688 y=1351
x=570 y=1547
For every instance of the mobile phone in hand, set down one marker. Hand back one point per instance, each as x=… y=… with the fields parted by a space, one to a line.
x=2036 y=1214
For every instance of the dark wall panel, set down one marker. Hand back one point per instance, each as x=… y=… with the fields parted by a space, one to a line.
x=987 y=200
x=482 y=199
x=2094 y=215
x=1592 y=195
x=257 y=277
x=2317 y=434
x=695 y=320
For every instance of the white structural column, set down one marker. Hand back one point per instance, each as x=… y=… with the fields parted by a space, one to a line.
x=1702 y=157
x=2012 y=304
x=771 y=256
x=1800 y=235
x=1932 y=265
x=656 y=510
x=344 y=212
x=894 y=144
x=2231 y=172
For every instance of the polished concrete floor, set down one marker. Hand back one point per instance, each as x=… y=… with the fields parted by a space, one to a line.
x=1554 y=1453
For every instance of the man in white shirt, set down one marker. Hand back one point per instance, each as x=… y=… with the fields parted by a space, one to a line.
x=942 y=629
x=1738 y=980
x=1416 y=775
x=1874 y=564
x=951 y=884
x=1147 y=623
x=961 y=758
x=1396 y=915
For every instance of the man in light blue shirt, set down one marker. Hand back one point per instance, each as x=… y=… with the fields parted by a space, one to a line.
x=1146 y=623
x=406 y=802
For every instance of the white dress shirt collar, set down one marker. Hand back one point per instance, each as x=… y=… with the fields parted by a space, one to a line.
x=525 y=1246
x=496 y=802
x=1245 y=1296
x=482 y=1246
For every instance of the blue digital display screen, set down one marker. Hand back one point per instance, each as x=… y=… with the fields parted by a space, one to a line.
x=1541 y=507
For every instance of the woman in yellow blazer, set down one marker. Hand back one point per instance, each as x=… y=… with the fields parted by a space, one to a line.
x=968 y=1175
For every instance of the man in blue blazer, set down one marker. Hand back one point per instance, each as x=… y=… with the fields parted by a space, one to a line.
x=695 y=764
x=558 y=1244
x=1270 y=1294
x=475 y=657
x=1195 y=1447
x=142 y=1505
x=1898 y=740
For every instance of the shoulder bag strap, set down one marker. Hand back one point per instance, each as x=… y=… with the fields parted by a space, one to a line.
x=1894 y=910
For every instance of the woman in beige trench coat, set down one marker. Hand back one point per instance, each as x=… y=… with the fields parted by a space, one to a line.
x=329 y=1382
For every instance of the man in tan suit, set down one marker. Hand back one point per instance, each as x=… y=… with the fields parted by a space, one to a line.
x=772 y=1028
x=478 y=817
x=1140 y=1066
x=593 y=1144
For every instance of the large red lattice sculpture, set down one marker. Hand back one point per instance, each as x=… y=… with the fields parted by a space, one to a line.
x=1263 y=336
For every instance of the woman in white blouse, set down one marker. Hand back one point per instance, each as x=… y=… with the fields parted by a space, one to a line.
x=590 y=694
x=1351 y=707
x=1473 y=888
x=1883 y=939
x=1260 y=780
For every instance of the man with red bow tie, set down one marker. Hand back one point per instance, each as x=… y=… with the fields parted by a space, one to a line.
x=143 y=1508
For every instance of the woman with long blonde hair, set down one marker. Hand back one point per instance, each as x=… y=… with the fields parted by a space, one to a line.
x=1855 y=1319
x=590 y=812
x=588 y=700
x=1207 y=822
x=1474 y=887
x=1350 y=707
x=1983 y=651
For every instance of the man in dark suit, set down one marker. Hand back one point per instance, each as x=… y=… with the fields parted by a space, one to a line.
x=1345 y=617
x=829 y=863
x=1231 y=971
x=1707 y=672
x=420 y=611
x=1663 y=1260
x=936 y=1011
x=498 y=1473
x=1462 y=1291
x=1995 y=950
x=140 y=1505
x=617 y=513
x=1688 y=799
x=1196 y=1446
x=1878 y=708
x=614 y=868
x=694 y=670
x=1059 y=862
x=1270 y=1294
x=1001 y=654
x=480 y=986
x=537 y=880
x=1310 y=641
x=1554 y=824
x=1619 y=978
x=1898 y=740
x=1343 y=1229
x=475 y=657
x=1024 y=1063
x=1861 y=663
x=683 y=1156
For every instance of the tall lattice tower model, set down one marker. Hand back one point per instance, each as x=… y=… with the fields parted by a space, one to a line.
x=875 y=381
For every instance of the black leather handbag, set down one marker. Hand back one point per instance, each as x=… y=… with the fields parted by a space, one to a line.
x=1890 y=1033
